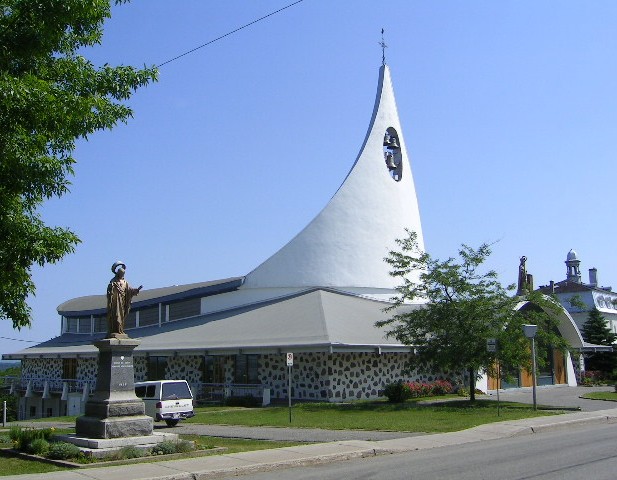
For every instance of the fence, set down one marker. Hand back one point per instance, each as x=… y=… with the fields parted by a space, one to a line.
x=203 y=392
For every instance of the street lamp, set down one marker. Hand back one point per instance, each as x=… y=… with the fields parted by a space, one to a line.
x=530 y=332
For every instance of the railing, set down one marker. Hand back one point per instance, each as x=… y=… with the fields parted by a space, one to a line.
x=53 y=384
x=219 y=392
x=203 y=392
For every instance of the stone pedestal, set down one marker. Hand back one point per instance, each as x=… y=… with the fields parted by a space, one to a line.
x=114 y=411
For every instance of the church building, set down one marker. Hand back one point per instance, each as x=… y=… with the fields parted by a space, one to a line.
x=317 y=298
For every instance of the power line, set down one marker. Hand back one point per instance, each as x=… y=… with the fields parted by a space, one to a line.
x=21 y=340
x=230 y=33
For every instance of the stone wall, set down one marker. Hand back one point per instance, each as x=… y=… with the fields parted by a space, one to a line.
x=337 y=377
x=185 y=368
x=87 y=369
x=50 y=368
x=333 y=377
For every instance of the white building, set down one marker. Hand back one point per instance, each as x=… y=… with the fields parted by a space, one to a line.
x=590 y=294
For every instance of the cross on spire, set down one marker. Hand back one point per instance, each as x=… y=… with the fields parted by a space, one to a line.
x=383 y=48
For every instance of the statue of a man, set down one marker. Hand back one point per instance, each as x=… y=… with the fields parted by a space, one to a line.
x=522 y=277
x=119 y=295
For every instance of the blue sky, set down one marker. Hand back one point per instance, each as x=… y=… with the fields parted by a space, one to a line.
x=508 y=109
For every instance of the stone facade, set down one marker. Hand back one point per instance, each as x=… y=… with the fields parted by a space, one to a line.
x=185 y=367
x=87 y=369
x=338 y=377
x=316 y=376
x=50 y=368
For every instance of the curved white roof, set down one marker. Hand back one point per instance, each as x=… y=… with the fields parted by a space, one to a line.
x=345 y=244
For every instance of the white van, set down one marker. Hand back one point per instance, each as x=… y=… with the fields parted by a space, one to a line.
x=169 y=400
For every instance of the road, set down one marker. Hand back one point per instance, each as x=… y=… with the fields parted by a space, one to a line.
x=588 y=452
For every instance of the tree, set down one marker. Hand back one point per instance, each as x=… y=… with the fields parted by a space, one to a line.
x=596 y=331
x=50 y=96
x=464 y=308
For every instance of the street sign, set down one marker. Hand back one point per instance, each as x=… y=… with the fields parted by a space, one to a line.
x=290 y=359
x=491 y=344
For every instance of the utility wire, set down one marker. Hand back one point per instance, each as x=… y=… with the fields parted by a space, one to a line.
x=230 y=33
x=21 y=340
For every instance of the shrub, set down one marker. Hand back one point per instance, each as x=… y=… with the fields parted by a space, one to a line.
x=464 y=392
x=593 y=377
x=442 y=387
x=23 y=437
x=131 y=451
x=418 y=389
x=38 y=446
x=184 y=446
x=397 y=392
x=164 y=448
x=400 y=391
x=63 y=451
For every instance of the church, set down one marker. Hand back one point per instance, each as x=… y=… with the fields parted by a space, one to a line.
x=317 y=298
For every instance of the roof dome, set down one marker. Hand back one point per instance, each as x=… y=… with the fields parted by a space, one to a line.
x=572 y=255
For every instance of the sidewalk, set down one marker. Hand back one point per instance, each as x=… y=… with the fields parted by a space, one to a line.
x=263 y=460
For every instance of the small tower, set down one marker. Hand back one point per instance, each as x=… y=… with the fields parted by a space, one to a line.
x=573 y=267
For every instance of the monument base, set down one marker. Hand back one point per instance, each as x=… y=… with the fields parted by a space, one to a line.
x=113 y=427
x=114 y=411
x=100 y=448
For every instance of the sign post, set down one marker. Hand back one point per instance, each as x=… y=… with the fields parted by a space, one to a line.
x=290 y=363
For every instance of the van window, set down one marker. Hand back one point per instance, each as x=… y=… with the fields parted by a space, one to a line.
x=145 y=391
x=175 y=390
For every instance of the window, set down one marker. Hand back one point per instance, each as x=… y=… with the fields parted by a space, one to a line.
x=392 y=154
x=175 y=390
x=184 y=309
x=156 y=368
x=71 y=324
x=69 y=368
x=100 y=323
x=149 y=316
x=84 y=325
x=213 y=368
x=247 y=369
x=145 y=391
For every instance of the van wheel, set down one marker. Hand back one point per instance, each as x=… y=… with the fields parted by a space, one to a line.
x=171 y=423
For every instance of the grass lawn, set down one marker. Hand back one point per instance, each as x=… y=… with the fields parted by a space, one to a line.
x=610 y=396
x=407 y=417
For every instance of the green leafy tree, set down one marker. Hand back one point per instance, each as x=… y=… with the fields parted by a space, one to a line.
x=50 y=96
x=464 y=307
x=596 y=331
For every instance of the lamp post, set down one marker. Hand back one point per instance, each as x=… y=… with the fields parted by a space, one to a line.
x=530 y=332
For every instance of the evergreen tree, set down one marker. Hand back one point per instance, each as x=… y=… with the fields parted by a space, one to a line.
x=597 y=331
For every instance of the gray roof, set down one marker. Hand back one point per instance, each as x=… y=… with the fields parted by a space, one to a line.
x=97 y=304
x=314 y=320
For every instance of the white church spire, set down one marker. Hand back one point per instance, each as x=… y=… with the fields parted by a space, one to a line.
x=345 y=244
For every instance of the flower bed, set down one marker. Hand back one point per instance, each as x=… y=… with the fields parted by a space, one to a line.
x=401 y=391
